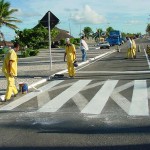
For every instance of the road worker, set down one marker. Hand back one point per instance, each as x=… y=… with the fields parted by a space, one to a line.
x=70 y=52
x=129 y=52
x=10 y=71
x=133 y=48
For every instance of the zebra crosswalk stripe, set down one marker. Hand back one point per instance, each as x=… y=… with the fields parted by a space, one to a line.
x=29 y=96
x=61 y=99
x=139 y=105
x=98 y=102
x=121 y=101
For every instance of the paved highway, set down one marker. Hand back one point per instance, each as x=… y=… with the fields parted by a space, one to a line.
x=106 y=106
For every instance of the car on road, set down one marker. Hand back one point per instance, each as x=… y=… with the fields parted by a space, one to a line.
x=104 y=44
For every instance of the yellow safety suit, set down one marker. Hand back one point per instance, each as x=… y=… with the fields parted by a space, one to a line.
x=10 y=73
x=133 y=48
x=129 y=52
x=70 y=52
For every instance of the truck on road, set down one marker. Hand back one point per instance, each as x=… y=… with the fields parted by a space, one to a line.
x=115 y=38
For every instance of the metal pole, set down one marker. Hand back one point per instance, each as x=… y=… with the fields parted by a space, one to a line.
x=49 y=30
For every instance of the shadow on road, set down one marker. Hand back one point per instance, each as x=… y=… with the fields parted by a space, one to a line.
x=123 y=147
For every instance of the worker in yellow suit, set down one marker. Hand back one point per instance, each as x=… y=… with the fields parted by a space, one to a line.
x=129 y=51
x=133 y=48
x=10 y=71
x=70 y=52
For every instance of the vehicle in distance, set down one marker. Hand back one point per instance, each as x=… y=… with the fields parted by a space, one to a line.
x=115 y=38
x=104 y=44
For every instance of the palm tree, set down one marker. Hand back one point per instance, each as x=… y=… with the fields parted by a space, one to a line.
x=87 y=32
x=6 y=18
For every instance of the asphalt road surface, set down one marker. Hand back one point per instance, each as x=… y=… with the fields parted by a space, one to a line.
x=106 y=106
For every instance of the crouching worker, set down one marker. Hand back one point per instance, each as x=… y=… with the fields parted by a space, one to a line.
x=10 y=71
x=70 y=53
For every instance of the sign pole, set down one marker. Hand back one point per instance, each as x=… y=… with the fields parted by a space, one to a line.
x=49 y=30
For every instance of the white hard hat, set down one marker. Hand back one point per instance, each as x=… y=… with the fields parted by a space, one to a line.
x=67 y=39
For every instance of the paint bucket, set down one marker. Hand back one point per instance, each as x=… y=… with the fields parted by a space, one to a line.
x=23 y=87
x=20 y=86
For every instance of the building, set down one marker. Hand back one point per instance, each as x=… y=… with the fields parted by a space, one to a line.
x=8 y=43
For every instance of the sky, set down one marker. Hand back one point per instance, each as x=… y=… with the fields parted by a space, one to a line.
x=130 y=16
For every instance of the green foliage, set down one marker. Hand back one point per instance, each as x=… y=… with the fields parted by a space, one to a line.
x=62 y=42
x=35 y=38
x=6 y=18
x=108 y=30
x=54 y=33
x=76 y=41
x=148 y=28
x=72 y=40
x=87 y=31
x=29 y=52
x=4 y=50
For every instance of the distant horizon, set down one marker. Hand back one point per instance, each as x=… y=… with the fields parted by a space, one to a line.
x=129 y=16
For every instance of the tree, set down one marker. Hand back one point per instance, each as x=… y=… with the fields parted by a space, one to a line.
x=109 y=29
x=148 y=28
x=6 y=18
x=87 y=31
x=97 y=34
x=35 y=38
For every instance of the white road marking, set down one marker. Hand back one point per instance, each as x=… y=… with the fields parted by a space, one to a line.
x=124 y=87
x=148 y=90
x=121 y=100
x=139 y=105
x=62 y=98
x=147 y=58
x=80 y=101
x=43 y=98
x=93 y=85
x=29 y=96
x=98 y=102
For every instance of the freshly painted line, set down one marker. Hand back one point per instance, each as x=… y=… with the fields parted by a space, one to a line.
x=147 y=58
x=43 y=98
x=85 y=88
x=121 y=101
x=139 y=104
x=98 y=102
x=115 y=72
x=123 y=87
x=93 y=85
x=37 y=83
x=80 y=101
x=29 y=96
x=148 y=90
x=62 y=98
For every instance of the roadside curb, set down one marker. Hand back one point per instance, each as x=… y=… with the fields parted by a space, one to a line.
x=64 y=71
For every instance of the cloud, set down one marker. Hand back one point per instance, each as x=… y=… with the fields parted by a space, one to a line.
x=133 y=22
x=23 y=13
x=88 y=16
